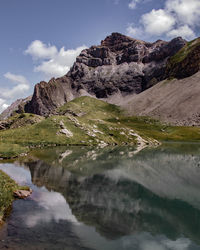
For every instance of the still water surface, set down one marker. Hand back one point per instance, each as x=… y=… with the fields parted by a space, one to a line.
x=107 y=199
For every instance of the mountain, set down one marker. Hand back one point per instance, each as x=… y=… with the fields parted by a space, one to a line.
x=119 y=66
x=16 y=106
x=173 y=101
x=130 y=73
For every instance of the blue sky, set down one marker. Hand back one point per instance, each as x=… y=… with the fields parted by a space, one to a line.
x=41 y=38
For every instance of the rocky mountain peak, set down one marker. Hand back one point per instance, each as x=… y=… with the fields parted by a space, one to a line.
x=116 y=42
x=119 y=65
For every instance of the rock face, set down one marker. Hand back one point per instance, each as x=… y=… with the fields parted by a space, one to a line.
x=17 y=106
x=120 y=65
x=186 y=62
x=48 y=96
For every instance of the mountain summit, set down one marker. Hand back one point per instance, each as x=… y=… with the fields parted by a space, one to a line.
x=119 y=69
x=120 y=65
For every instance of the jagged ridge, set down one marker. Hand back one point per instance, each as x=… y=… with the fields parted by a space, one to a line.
x=120 y=65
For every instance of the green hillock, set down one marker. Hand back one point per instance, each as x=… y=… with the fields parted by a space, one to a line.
x=87 y=121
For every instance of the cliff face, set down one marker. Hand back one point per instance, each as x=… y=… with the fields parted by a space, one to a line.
x=186 y=62
x=17 y=106
x=48 y=96
x=120 y=65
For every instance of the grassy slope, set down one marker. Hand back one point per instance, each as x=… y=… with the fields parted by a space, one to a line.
x=92 y=122
x=7 y=187
x=183 y=53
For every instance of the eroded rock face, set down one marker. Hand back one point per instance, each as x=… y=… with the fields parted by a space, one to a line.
x=17 y=106
x=187 y=64
x=122 y=64
x=48 y=96
x=119 y=65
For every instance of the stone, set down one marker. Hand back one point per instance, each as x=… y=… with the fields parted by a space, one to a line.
x=22 y=194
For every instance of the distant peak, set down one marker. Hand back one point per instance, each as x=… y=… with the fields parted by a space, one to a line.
x=116 y=41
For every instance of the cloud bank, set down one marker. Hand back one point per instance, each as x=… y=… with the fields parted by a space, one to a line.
x=19 y=90
x=51 y=61
x=177 y=18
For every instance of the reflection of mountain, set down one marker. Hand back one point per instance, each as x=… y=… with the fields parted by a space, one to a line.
x=143 y=193
x=80 y=160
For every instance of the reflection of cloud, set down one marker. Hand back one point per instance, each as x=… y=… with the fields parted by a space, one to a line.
x=53 y=207
x=167 y=175
x=141 y=241
x=145 y=241
x=19 y=174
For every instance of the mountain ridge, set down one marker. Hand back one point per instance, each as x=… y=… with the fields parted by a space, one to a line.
x=119 y=65
x=115 y=71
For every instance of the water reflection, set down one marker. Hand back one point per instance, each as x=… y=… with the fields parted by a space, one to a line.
x=117 y=201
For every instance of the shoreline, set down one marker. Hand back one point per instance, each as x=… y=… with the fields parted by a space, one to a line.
x=10 y=191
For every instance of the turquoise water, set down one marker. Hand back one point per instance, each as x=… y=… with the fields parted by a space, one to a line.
x=107 y=199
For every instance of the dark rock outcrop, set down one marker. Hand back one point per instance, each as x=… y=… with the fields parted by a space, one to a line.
x=120 y=65
x=186 y=62
x=17 y=106
x=48 y=96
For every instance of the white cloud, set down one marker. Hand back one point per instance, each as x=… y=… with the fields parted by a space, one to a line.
x=184 y=31
x=16 y=78
x=187 y=12
x=55 y=62
x=157 y=22
x=3 y=105
x=17 y=91
x=38 y=49
x=133 y=31
x=133 y=3
x=177 y=18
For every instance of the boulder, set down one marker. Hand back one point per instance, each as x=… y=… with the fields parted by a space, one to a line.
x=22 y=194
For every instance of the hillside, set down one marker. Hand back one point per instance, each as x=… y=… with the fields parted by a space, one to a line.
x=89 y=122
x=120 y=65
x=172 y=101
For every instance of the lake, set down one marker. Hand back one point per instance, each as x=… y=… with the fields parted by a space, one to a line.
x=106 y=199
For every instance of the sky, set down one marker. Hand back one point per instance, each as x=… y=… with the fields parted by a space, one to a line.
x=40 y=39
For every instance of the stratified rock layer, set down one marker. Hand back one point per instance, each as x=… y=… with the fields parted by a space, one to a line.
x=120 y=65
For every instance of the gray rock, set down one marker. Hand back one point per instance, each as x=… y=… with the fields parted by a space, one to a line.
x=119 y=65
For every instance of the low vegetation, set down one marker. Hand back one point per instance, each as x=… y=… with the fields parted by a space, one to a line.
x=87 y=121
x=183 y=53
x=7 y=187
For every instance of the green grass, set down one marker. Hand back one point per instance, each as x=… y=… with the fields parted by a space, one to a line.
x=90 y=108
x=91 y=122
x=11 y=150
x=161 y=132
x=22 y=120
x=7 y=187
x=183 y=53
